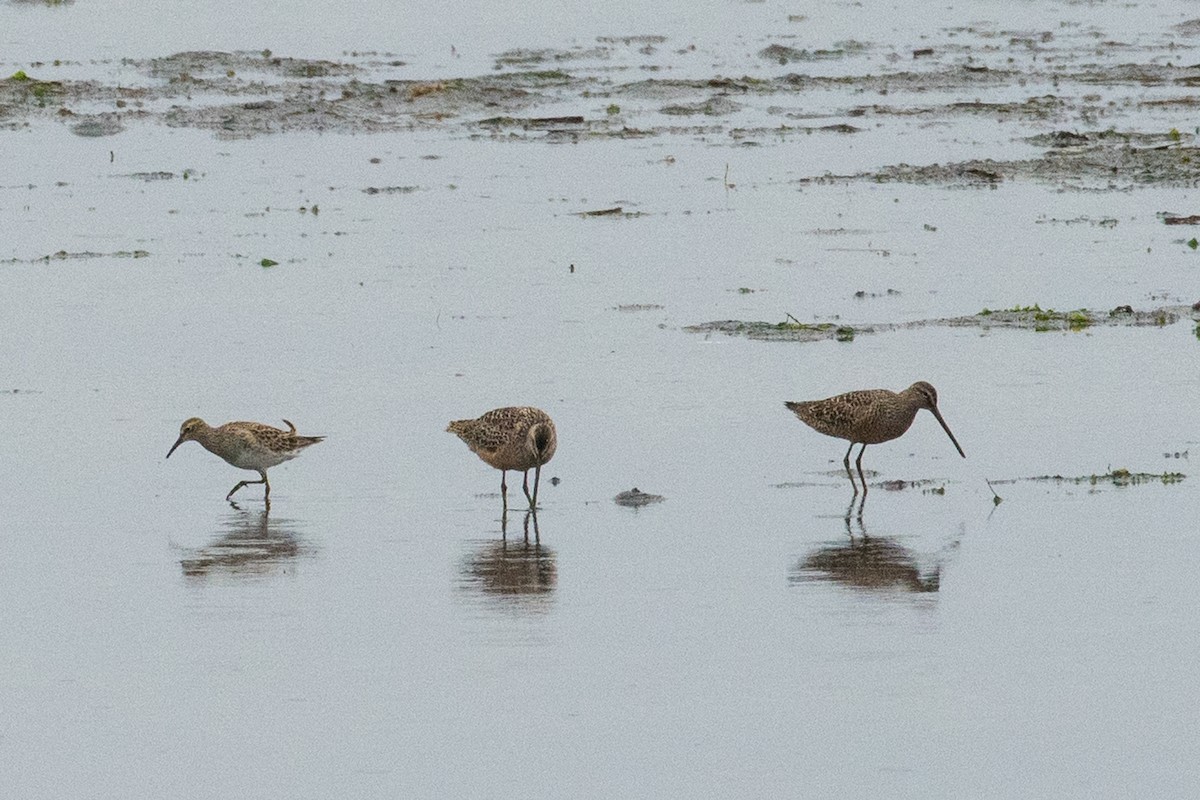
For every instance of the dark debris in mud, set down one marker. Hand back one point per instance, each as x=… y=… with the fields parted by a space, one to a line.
x=1178 y=219
x=1100 y=166
x=96 y=125
x=1032 y=318
x=779 y=131
x=151 y=177
x=926 y=485
x=633 y=307
x=783 y=54
x=636 y=498
x=1065 y=139
x=1098 y=222
x=1115 y=477
x=391 y=189
x=526 y=57
x=616 y=212
x=717 y=106
x=199 y=66
x=63 y=255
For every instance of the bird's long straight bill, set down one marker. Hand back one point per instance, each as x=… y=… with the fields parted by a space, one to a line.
x=172 y=450
x=946 y=428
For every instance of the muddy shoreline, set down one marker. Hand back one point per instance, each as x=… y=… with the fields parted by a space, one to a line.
x=238 y=95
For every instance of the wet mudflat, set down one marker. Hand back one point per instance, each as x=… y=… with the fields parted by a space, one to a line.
x=210 y=229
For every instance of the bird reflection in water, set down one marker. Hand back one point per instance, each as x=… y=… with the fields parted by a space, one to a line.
x=513 y=569
x=871 y=563
x=250 y=544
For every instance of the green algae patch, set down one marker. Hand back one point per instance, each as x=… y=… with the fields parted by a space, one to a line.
x=1045 y=319
x=22 y=84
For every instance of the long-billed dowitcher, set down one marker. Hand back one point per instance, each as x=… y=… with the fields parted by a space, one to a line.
x=871 y=416
x=246 y=445
x=515 y=437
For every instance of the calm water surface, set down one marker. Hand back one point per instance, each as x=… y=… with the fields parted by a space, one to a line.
x=384 y=633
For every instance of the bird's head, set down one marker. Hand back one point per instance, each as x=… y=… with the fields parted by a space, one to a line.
x=187 y=432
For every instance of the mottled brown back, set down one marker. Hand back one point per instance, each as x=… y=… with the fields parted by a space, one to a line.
x=868 y=416
x=514 y=437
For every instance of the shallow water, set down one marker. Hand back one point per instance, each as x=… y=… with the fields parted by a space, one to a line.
x=383 y=632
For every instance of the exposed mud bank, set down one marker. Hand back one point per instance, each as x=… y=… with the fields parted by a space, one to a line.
x=1032 y=318
x=582 y=93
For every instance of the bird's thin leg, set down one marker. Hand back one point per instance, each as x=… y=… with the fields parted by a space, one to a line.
x=504 y=489
x=525 y=486
x=858 y=463
x=849 y=474
x=247 y=483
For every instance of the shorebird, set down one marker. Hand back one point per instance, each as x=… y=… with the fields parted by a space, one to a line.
x=246 y=445
x=515 y=437
x=871 y=416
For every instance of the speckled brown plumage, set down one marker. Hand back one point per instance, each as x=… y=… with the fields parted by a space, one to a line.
x=246 y=445
x=514 y=437
x=870 y=416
